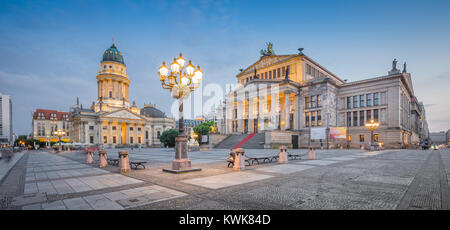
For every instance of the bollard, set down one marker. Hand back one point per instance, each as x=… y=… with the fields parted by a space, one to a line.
x=124 y=162
x=342 y=147
x=311 y=154
x=239 y=160
x=362 y=147
x=283 y=157
x=102 y=158
x=90 y=157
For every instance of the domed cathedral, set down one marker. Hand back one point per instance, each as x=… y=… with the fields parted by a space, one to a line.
x=111 y=121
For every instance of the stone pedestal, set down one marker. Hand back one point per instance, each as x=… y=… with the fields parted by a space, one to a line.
x=311 y=154
x=102 y=158
x=362 y=147
x=283 y=157
x=181 y=163
x=90 y=157
x=342 y=147
x=68 y=149
x=239 y=160
x=124 y=162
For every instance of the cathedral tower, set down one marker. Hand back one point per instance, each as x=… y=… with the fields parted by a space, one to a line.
x=112 y=82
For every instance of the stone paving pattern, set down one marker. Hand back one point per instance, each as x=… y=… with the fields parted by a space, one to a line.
x=337 y=179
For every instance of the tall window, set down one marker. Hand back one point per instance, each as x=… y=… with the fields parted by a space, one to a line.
x=361 y=118
x=319 y=118
x=313 y=102
x=306 y=102
x=313 y=118
x=355 y=118
x=361 y=101
x=349 y=102
x=146 y=134
x=375 y=115
x=158 y=134
x=139 y=140
x=375 y=137
x=274 y=73
x=105 y=139
x=270 y=74
x=131 y=140
x=361 y=138
x=369 y=99
x=114 y=139
x=355 y=101
x=376 y=99
x=319 y=101
x=278 y=72
x=91 y=139
x=349 y=118
x=307 y=119
x=369 y=115
x=283 y=71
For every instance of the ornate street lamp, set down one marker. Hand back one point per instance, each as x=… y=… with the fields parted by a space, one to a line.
x=59 y=133
x=372 y=125
x=180 y=84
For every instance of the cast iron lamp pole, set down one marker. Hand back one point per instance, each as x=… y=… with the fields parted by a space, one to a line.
x=372 y=125
x=180 y=84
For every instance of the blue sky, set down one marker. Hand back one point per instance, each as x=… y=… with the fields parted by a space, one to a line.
x=50 y=50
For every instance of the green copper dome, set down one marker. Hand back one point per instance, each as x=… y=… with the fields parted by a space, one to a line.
x=112 y=54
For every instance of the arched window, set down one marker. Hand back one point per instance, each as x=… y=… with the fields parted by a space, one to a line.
x=158 y=134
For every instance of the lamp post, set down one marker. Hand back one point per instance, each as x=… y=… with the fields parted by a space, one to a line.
x=372 y=125
x=59 y=133
x=181 y=84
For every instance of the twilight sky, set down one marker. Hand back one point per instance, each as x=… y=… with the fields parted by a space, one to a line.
x=50 y=50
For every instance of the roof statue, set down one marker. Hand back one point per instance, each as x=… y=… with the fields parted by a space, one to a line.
x=300 y=51
x=269 y=50
x=287 y=74
x=404 y=68
x=394 y=64
x=255 y=76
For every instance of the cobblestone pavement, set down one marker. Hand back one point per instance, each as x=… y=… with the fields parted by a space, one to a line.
x=337 y=179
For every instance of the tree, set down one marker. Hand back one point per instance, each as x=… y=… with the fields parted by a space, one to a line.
x=203 y=129
x=168 y=137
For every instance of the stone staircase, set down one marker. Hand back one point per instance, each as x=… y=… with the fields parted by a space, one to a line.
x=252 y=143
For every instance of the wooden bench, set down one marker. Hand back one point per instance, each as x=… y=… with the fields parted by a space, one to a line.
x=137 y=164
x=258 y=159
x=295 y=156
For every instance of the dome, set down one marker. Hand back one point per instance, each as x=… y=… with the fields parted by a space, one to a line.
x=112 y=54
x=151 y=111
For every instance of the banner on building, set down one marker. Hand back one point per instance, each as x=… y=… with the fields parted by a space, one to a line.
x=338 y=133
x=318 y=133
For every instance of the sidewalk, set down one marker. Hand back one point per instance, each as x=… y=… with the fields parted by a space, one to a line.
x=7 y=164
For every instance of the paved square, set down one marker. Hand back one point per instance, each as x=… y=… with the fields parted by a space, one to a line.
x=226 y=180
x=285 y=168
x=317 y=162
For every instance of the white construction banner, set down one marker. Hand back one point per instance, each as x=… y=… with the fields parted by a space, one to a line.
x=318 y=133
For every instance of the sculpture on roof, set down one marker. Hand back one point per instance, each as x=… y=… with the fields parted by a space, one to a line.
x=269 y=50
x=404 y=68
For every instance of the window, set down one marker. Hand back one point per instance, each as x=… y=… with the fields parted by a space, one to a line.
x=283 y=71
x=105 y=139
x=361 y=118
x=158 y=134
x=349 y=102
x=369 y=115
x=375 y=137
x=146 y=134
x=91 y=139
x=306 y=102
x=307 y=119
x=361 y=101
x=131 y=140
x=257 y=75
x=355 y=101
x=139 y=129
x=355 y=118
x=313 y=118
x=319 y=118
x=91 y=127
x=270 y=74
x=349 y=118
x=114 y=139
x=375 y=115
x=313 y=102
x=131 y=128
x=319 y=101
x=278 y=72
x=369 y=99
x=376 y=99
x=361 y=138
x=139 y=140
x=114 y=128
x=105 y=128
x=274 y=73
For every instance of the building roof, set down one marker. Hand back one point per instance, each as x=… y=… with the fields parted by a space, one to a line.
x=47 y=114
x=151 y=111
x=113 y=54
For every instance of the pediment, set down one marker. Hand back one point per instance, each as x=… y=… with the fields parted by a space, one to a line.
x=265 y=61
x=122 y=114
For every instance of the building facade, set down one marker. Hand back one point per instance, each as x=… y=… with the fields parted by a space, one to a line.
x=45 y=122
x=111 y=120
x=6 y=124
x=286 y=96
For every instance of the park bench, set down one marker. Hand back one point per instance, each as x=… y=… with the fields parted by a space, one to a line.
x=259 y=159
x=295 y=156
x=136 y=164
x=231 y=162
x=113 y=161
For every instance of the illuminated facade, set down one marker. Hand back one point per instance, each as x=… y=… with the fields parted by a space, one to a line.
x=45 y=122
x=111 y=121
x=285 y=96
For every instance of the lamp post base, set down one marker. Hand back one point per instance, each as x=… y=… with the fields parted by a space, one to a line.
x=181 y=164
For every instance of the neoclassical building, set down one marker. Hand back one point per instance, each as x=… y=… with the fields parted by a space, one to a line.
x=284 y=97
x=111 y=120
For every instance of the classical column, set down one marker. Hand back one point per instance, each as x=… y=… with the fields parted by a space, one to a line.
x=260 y=113
x=128 y=132
x=239 y=116
x=274 y=104
x=250 y=115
